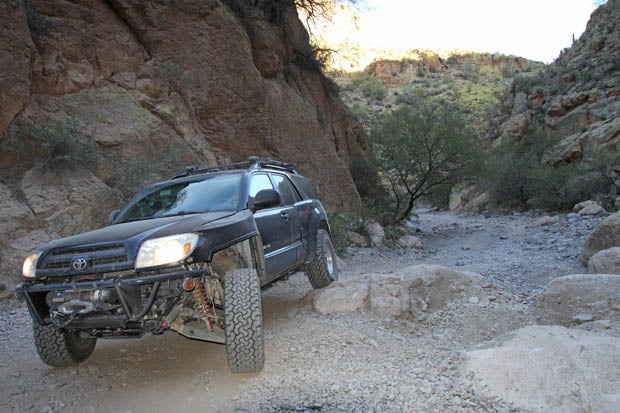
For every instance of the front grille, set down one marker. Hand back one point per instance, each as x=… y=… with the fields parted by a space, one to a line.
x=88 y=249
x=92 y=259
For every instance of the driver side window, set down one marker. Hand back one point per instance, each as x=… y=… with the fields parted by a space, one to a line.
x=258 y=183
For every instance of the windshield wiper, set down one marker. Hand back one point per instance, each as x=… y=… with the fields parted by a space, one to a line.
x=176 y=214
x=134 y=219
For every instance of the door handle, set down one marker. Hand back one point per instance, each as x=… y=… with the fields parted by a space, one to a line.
x=284 y=216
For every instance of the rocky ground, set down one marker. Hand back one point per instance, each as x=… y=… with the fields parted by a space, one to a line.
x=336 y=362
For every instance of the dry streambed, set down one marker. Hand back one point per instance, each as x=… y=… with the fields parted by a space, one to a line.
x=390 y=337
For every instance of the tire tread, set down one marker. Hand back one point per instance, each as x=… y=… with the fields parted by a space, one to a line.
x=245 y=347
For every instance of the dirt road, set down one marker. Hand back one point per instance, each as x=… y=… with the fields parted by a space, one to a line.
x=334 y=363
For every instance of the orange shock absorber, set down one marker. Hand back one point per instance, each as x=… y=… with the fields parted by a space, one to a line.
x=201 y=304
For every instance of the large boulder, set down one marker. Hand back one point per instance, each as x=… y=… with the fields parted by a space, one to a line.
x=588 y=207
x=341 y=297
x=376 y=233
x=468 y=198
x=408 y=292
x=550 y=368
x=579 y=298
x=606 y=235
x=605 y=262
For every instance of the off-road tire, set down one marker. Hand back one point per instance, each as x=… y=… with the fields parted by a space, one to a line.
x=323 y=270
x=245 y=346
x=61 y=348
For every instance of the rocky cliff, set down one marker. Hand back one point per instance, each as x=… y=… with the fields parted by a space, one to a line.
x=99 y=97
x=575 y=100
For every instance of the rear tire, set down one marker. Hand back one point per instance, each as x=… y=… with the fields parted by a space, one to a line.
x=323 y=270
x=61 y=348
x=245 y=346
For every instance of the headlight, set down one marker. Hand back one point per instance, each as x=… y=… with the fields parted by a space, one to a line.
x=30 y=265
x=166 y=250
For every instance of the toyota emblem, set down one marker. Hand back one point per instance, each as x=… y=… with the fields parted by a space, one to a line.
x=79 y=264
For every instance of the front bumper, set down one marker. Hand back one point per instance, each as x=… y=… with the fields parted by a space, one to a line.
x=26 y=291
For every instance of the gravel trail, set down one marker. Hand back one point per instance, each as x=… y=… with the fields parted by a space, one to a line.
x=318 y=363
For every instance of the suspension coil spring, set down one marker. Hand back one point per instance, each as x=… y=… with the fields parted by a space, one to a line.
x=199 y=293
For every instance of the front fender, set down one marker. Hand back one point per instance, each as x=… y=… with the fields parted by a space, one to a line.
x=223 y=233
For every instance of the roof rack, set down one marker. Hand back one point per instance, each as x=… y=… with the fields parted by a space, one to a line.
x=272 y=163
x=253 y=161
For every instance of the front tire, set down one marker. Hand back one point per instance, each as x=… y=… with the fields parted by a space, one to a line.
x=245 y=346
x=323 y=270
x=61 y=348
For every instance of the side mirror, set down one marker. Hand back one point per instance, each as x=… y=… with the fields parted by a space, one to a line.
x=113 y=215
x=265 y=198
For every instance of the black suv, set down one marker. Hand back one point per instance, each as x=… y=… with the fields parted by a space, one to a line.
x=189 y=254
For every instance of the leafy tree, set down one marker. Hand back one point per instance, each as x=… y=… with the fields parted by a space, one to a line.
x=421 y=148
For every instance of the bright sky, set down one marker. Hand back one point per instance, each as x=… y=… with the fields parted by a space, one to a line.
x=535 y=29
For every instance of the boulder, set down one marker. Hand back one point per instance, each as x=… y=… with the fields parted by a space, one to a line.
x=357 y=239
x=588 y=208
x=410 y=242
x=574 y=370
x=568 y=149
x=341 y=297
x=376 y=233
x=434 y=286
x=542 y=222
x=389 y=297
x=605 y=235
x=578 y=298
x=513 y=128
x=408 y=292
x=468 y=198
x=605 y=262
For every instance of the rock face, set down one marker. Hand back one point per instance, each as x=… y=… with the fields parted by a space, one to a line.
x=576 y=99
x=575 y=370
x=579 y=298
x=134 y=90
x=606 y=235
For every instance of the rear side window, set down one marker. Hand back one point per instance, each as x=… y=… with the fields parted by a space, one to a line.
x=304 y=187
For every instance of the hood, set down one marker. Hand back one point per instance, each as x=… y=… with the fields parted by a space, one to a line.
x=133 y=233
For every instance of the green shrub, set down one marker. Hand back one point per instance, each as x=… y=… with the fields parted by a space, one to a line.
x=516 y=176
x=562 y=187
x=131 y=173
x=359 y=112
x=373 y=88
x=357 y=78
x=339 y=224
x=52 y=142
x=177 y=80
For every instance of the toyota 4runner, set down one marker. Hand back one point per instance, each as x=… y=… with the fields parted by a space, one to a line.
x=189 y=254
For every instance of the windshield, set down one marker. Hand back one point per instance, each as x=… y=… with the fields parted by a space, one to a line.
x=213 y=193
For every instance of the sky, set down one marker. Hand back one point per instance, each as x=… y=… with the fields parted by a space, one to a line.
x=534 y=29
